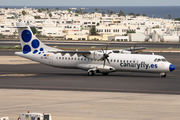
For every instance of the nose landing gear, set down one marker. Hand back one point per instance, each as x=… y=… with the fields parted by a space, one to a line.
x=163 y=75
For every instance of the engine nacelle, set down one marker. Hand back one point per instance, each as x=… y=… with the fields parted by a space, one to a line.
x=95 y=55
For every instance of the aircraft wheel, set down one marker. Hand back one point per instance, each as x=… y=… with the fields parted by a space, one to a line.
x=91 y=73
x=163 y=75
x=105 y=73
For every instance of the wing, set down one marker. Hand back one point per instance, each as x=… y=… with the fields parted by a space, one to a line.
x=128 y=51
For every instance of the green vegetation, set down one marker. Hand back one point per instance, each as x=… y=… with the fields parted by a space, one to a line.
x=144 y=15
x=103 y=14
x=130 y=31
x=138 y=14
x=131 y=13
x=39 y=10
x=37 y=17
x=121 y=13
x=177 y=19
x=1 y=35
x=23 y=13
x=93 y=31
x=96 y=10
x=33 y=29
x=57 y=8
x=10 y=17
x=169 y=16
x=69 y=11
x=50 y=15
x=8 y=47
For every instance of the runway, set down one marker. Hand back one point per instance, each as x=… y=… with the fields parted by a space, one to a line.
x=97 y=44
x=70 y=94
x=39 y=76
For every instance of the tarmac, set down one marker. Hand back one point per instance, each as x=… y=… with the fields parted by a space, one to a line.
x=78 y=105
x=84 y=104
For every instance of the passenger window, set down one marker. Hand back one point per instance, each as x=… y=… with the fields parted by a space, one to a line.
x=130 y=61
x=121 y=61
x=117 y=60
x=124 y=61
x=71 y=58
x=59 y=57
x=111 y=60
x=127 y=61
x=81 y=58
x=68 y=58
x=78 y=58
x=74 y=58
x=84 y=59
x=63 y=58
x=114 y=60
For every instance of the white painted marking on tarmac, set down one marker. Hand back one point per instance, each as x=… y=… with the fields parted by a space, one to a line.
x=16 y=75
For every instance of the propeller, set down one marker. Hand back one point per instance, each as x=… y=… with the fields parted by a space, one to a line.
x=105 y=55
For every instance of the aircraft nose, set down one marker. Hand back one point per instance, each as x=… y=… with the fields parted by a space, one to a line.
x=171 y=67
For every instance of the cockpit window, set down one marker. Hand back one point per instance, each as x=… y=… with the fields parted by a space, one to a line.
x=164 y=60
x=155 y=60
x=160 y=59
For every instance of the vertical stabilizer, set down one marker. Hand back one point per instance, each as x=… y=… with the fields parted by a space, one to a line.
x=29 y=42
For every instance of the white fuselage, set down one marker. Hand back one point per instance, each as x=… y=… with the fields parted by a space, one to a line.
x=120 y=62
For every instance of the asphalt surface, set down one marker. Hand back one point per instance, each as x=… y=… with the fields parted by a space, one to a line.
x=97 y=44
x=39 y=76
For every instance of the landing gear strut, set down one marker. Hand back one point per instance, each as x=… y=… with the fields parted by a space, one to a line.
x=163 y=75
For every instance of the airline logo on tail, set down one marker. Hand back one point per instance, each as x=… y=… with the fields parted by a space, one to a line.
x=30 y=44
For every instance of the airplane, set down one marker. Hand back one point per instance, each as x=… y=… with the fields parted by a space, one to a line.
x=123 y=60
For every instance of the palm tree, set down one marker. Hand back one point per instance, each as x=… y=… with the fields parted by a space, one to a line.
x=50 y=15
x=96 y=9
x=6 y=8
x=69 y=11
x=39 y=10
x=103 y=14
x=144 y=15
x=80 y=11
x=108 y=12
x=23 y=13
x=93 y=31
x=111 y=12
x=169 y=16
x=57 y=8
x=121 y=13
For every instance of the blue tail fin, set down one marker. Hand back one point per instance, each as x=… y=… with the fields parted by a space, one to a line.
x=29 y=42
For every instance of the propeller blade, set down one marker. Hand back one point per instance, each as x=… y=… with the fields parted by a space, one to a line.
x=104 y=63
x=107 y=47
x=102 y=49
x=108 y=61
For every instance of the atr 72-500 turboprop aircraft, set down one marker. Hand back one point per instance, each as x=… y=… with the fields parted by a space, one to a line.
x=90 y=61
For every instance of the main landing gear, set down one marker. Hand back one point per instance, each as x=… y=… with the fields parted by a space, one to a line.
x=163 y=75
x=92 y=73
